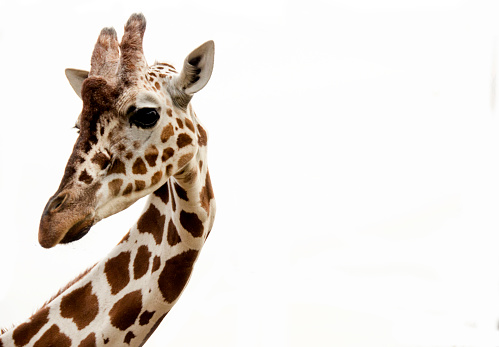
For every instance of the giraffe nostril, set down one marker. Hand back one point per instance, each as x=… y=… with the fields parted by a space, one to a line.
x=58 y=202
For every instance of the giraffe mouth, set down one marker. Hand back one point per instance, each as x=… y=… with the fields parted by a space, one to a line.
x=78 y=230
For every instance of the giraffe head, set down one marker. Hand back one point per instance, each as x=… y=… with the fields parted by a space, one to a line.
x=136 y=129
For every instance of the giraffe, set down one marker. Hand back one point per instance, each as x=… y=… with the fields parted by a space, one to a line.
x=138 y=136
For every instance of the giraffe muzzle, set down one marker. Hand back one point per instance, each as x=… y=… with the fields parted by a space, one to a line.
x=64 y=220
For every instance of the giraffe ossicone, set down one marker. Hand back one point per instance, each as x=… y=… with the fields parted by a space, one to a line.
x=138 y=136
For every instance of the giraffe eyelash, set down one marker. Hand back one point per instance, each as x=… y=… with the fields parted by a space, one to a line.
x=77 y=128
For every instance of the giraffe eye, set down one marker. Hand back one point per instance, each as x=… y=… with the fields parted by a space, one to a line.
x=144 y=118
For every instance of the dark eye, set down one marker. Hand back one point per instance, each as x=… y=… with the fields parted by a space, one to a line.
x=144 y=118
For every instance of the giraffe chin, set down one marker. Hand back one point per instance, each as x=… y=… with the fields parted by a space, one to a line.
x=78 y=230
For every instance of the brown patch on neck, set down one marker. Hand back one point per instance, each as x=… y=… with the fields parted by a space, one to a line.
x=25 y=332
x=53 y=337
x=175 y=274
x=202 y=136
x=189 y=124
x=173 y=237
x=191 y=223
x=141 y=262
x=89 y=341
x=206 y=193
x=116 y=270
x=152 y=222
x=163 y=193
x=81 y=305
x=145 y=317
x=66 y=287
x=126 y=310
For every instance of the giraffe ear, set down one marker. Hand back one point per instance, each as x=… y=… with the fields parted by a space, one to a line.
x=76 y=78
x=197 y=68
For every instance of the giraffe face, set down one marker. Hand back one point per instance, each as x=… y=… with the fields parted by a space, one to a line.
x=134 y=133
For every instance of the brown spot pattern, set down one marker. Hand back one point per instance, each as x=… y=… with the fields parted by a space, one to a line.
x=174 y=204
x=53 y=337
x=169 y=112
x=23 y=333
x=156 y=264
x=169 y=170
x=190 y=176
x=139 y=185
x=191 y=223
x=121 y=147
x=206 y=193
x=167 y=153
x=126 y=310
x=81 y=305
x=180 y=123
x=89 y=341
x=189 y=124
x=139 y=167
x=125 y=238
x=145 y=317
x=183 y=140
x=128 y=189
x=128 y=337
x=202 y=136
x=152 y=222
x=175 y=274
x=173 y=237
x=184 y=160
x=156 y=177
x=116 y=270
x=163 y=193
x=151 y=155
x=117 y=167
x=85 y=177
x=101 y=159
x=141 y=262
x=158 y=87
x=181 y=192
x=115 y=185
x=166 y=133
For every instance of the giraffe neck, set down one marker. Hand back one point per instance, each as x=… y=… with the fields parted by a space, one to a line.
x=124 y=297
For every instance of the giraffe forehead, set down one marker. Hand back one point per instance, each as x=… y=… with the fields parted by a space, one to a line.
x=98 y=94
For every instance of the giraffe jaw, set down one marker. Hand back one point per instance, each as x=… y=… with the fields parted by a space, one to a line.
x=64 y=226
x=78 y=230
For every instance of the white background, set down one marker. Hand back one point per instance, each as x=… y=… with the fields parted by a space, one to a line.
x=354 y=153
